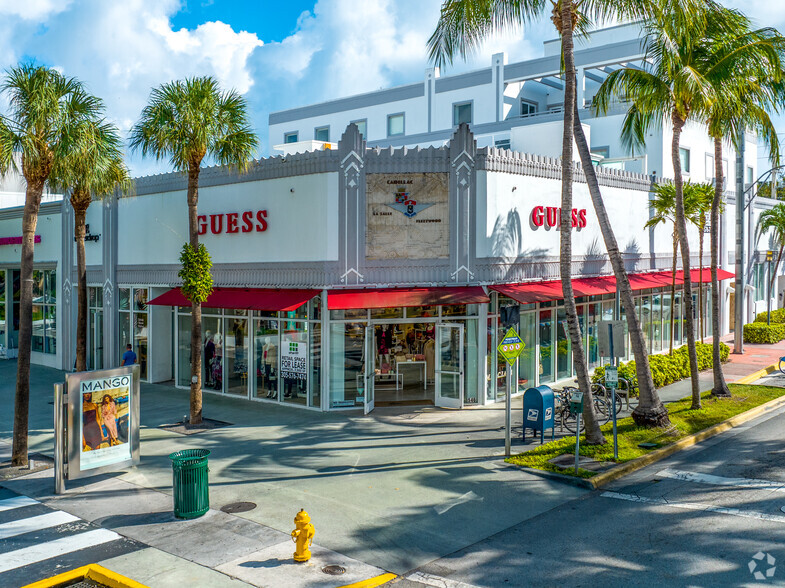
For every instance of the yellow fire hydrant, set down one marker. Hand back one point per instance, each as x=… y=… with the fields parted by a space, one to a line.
x=302 y=536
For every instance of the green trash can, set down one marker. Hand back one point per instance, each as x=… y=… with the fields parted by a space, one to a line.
x=189 y=483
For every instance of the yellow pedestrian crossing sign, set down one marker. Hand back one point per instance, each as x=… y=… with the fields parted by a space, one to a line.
x=511 y=346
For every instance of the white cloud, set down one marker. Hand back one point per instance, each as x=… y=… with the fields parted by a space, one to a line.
x=33 y=9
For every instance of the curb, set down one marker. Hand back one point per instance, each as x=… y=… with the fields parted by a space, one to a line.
x=372 y=582
x=94 y=572
x=615 y=473
x=756 y=375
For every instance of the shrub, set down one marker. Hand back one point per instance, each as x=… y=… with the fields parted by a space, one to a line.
x=777 y=316
x=666 y=369
x=762 y=333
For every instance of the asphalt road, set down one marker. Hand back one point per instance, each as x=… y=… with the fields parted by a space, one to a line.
x=713 y=515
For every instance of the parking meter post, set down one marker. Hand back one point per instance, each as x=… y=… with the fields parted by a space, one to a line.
x=615 y=438
x=577 y=441
x=508 y=412
x=59 y=452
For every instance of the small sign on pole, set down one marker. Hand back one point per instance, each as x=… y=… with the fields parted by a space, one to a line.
x=509 y=348
x=612 y=382
x=612 y=341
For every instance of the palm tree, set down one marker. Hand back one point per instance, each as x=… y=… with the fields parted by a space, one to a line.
x=774 y=220
x=45 y=107
x=185 y=121
x=702 y=197
x=462 y=27
x=93 y=168
x=747 y=67
x=673 y=87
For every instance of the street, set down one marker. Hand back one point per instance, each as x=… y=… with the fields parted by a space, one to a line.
x=711 y=515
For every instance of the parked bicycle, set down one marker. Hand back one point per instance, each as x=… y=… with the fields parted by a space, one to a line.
x=625 y=394
x=780 y=364
x=569 y=421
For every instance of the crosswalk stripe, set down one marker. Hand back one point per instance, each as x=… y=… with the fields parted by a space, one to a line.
x=752 y=483
x=16 y=502
x=737 y=512
x=44 y=521
x=36 y=553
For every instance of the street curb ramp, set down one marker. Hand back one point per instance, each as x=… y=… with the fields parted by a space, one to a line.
x=622 y=470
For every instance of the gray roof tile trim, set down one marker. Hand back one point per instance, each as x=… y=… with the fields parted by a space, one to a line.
x=351 y=103
x=311 y=162
x=407 y=160
x=513 y=162
x=18 y=211
x=467 y=80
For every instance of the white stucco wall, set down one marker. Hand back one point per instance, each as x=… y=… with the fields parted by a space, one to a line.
x=302 y=222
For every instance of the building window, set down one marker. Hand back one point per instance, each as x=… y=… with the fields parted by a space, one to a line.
x=133 y=324
x=322 y=134
x=290 y=138
x=684 y=156
x=759 y=281
x=709 y=167
x=395 y=125
x=750 y=175
x=362 y=126
x=603 y=152
x=502 y=144
x=45 y=311
x=462 y=113
x=528 y=108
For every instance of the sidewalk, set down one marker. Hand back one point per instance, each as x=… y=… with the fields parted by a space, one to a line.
x=388 y=491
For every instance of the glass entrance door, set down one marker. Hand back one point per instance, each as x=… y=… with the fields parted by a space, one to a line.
x=369 y=370
x=449 y=365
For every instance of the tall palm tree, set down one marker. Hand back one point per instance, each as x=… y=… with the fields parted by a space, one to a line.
x=93 y=168
x=702 y=197
x=45 y=107
x=774 y=220
x=185 y=121
x=673 y=87
x=462 y=26
x=748 y=68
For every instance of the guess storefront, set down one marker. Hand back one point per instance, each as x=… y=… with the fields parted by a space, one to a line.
x=356 y=278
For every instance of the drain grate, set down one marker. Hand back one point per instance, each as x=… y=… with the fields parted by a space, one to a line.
x=236 y=507
x=334 y=570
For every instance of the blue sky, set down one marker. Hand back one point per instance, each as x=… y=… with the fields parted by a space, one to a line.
x=277 y=54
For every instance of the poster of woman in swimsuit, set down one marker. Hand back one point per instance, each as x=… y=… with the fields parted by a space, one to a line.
x=105 y=420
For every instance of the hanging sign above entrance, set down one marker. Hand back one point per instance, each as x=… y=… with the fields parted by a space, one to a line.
x=511 y=346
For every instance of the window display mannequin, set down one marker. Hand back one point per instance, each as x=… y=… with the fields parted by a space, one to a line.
x=209 y=354
x=270 y=363
x=216 y=364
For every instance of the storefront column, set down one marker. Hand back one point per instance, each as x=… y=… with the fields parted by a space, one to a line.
x=482 y=353
x=109 y=278
x=463 y=190
x=67 y=307
x=325 y=351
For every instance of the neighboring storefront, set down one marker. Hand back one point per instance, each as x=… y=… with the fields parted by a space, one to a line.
x=358 y=278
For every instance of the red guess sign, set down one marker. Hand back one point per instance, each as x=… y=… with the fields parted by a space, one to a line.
x=549 y=216
x=233 y=222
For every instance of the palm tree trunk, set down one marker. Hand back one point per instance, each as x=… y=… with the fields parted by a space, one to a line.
x=776 y=267
x=700 y=281
x=80 y=202
x=196 y=307
x=650 y=412
x=720 y=387
x=594 y=434
x=673 y=284
x=35 y=187
x=681 y=230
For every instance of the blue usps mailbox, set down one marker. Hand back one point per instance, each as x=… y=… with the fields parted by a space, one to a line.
x=538 y=405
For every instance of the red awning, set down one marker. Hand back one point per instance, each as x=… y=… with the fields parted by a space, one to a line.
x=695 y=275
x=394 y=297
x=649 y=280
x=529 y=292
x=270 y=299
x=594 y=286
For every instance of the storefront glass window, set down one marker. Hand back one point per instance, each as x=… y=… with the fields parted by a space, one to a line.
x=125 y=298
x=124 y=334
x=471 y=364
x=644 y=316
x=594 y=311
x=347 y=357
x=236 y=355
x=455 y=310
x=707 y=329
x=386 y=313
x=563 y=347
x=293 y=361
x=677 y=320
x=44 y=336
x=316 y=365
x=184 y=350
x=2 y=308
x=527 y=359
x=656 y=322
x=546 y=346
x=140 y=342
x=213 y=344
x=491 y=356
x=349 y=314
x=422 y=311
x=266 y=346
